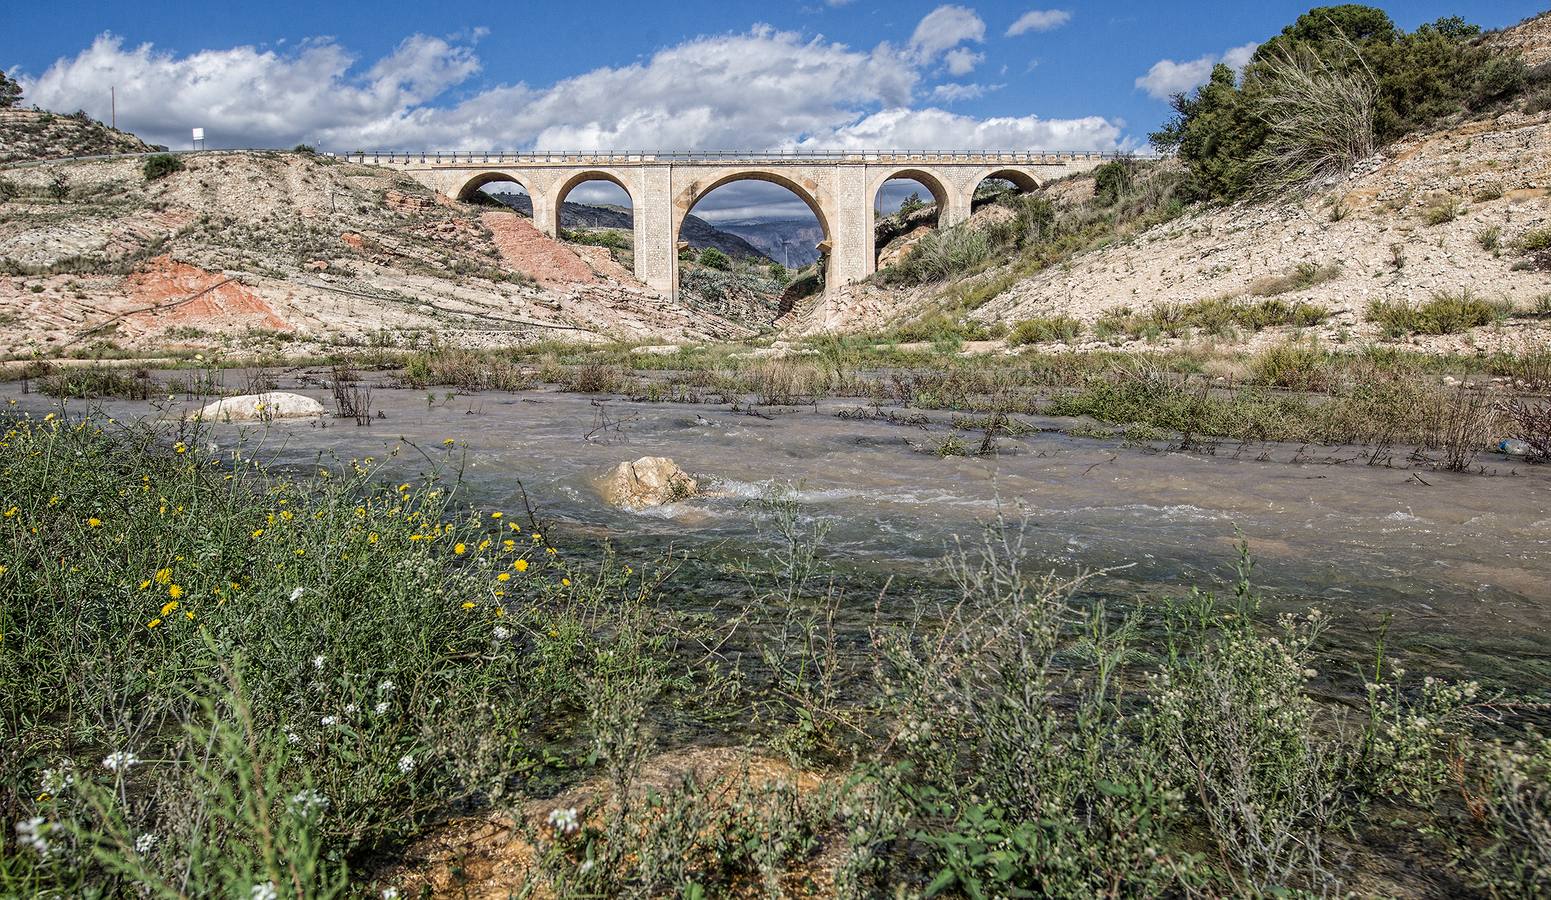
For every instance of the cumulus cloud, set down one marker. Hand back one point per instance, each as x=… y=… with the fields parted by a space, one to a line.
x=759 y=89
x=950 y=93
x=962 y=61
x=945 y=27
x=1039 y=20
x=1167 y=77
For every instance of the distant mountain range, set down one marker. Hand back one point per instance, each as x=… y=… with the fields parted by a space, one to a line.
x=697 y=231
x=792 y=243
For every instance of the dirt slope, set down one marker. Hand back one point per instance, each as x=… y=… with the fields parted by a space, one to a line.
x=31 y=134
x=309 y=254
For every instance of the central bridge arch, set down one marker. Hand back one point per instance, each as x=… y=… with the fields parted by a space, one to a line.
x=810 y=193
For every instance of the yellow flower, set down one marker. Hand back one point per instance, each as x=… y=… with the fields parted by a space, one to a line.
x=258 y=533
x=153 y=623
x=11 y=513
x=145 y=584
x=565 y=582
x=484 y=544
x=514 y=526
x=189 y=614
x=550 y=550
x=93 y=522
x=371 y=538
x=403 y=487
x=508 y=544
x=537 y=536
x=163 y=576
x=496 y=515
x=520 y=565
x=2 y=570
x=175 y=592
x=468 y=604
x=169 y=606
x=180 y=447
x=504 y=576
x=459 y=549
x=448 y=443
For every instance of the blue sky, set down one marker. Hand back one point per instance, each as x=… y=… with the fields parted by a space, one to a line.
x=681 y=75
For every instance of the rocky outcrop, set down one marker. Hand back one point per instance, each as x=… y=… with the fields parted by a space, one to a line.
x=649 y=481
x=261 y=408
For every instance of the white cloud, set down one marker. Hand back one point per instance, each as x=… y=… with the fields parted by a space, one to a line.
x=936 y=129
x=1039 y=20
x=1167 y=77
x=945 y=27
x=950 y=93
x=962 y=61
x=759 y=89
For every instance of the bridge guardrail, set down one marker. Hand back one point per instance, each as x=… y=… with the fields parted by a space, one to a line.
x=497 y=157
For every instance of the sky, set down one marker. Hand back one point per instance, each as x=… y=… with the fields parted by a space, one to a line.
x=679 y=75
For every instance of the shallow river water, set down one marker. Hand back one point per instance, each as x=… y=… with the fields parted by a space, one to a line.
x=1462 y=563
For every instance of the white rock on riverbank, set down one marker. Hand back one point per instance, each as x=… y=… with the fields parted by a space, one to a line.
x=261 y=407
x=647 y=482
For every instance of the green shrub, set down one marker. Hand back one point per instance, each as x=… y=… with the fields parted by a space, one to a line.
x=942 y=253
x=1440 y=210
x=1295 y=366
x=1536 y=241
x=305 y=149
x=1110 y=180
x=1044 y=328
x=161 y=165
x=1489 y=238
x=602 y=237
x=1442 y=314
x=1302 y=277
x=713 y=258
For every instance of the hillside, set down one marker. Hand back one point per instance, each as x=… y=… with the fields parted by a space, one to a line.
x=34 y=134
x=271 y=252
x=793 y=244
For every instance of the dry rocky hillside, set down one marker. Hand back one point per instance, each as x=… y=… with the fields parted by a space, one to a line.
x=35 y=134
x=290 y=252
x=1437 y=214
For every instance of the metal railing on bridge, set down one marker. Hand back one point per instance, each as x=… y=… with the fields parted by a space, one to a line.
x=498 y=157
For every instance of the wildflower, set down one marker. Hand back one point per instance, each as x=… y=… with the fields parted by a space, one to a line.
x=265 y=891
x=57 y=780
x=469 y=604
x=153 y=623
x=11 y=513
x=504 y=576
x=180 y=447
x=390 y=893
x=484 y=544
x=501 y=633
x=406 y=764
x=32 y=833
x=508 y=544
x=550 y=550
x=188 y=614
x=381 y=707
x=291 y=737
x=296 y=594
x=93 y=522
x=386 y=686
x=145 y=843
x=371 y=538
x=258 y=533
x=496 y=515
x=537 y=537
x=329 y=721
x=449 y=442
x=520 y=565
x=174 y=591
x=318 y=661
x=163 y=576
x=307 y=801
x=565 y=582
x=564 y=821
x=351 y=709
x=145 y=584
x=169 y=606
x=119 y=760
x=459 y=549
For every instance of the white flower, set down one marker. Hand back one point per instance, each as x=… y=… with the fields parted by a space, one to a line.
x=57 y=781
x=296 y=594
x=351 y=709
x=31 y=833
x=501 y=633
x=386 y=686
x=145 y=843
x=308 y=801
x=329 y=720
x=390 y=893
x=317 y=661
x=381 y=707
x=265 y=891
x=564 y=820
x=291 y=737
x=119 y=760
x=406 y=764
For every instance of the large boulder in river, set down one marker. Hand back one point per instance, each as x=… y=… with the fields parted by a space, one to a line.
x=649 y=481
x=261 y=408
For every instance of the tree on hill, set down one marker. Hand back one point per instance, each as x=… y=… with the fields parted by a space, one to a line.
x=10 y=92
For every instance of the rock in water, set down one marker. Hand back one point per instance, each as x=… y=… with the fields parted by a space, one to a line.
x=649 y=481
x=261 y=407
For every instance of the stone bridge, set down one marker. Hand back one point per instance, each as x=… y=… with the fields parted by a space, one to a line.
x=840 y=187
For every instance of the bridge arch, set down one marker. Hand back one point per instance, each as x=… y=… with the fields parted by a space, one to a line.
x=582 y=177
x=810 y=193
x=472 y=185
x=1022 y=179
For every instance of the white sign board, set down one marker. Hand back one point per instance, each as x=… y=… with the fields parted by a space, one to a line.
x=199 y=134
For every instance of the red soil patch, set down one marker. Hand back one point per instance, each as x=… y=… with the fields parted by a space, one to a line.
x=534 y=253
x=213 y=302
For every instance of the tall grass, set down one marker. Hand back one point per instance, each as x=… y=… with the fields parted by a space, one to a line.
x=1443 y=313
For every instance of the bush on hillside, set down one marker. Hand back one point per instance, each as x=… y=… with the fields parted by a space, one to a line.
x=1334 y=84
x=713 y=258
x=160 y=166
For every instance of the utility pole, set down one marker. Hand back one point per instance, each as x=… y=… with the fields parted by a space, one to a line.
x=113 y=105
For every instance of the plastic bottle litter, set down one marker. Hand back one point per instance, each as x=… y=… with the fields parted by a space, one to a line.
x=1514 y=447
